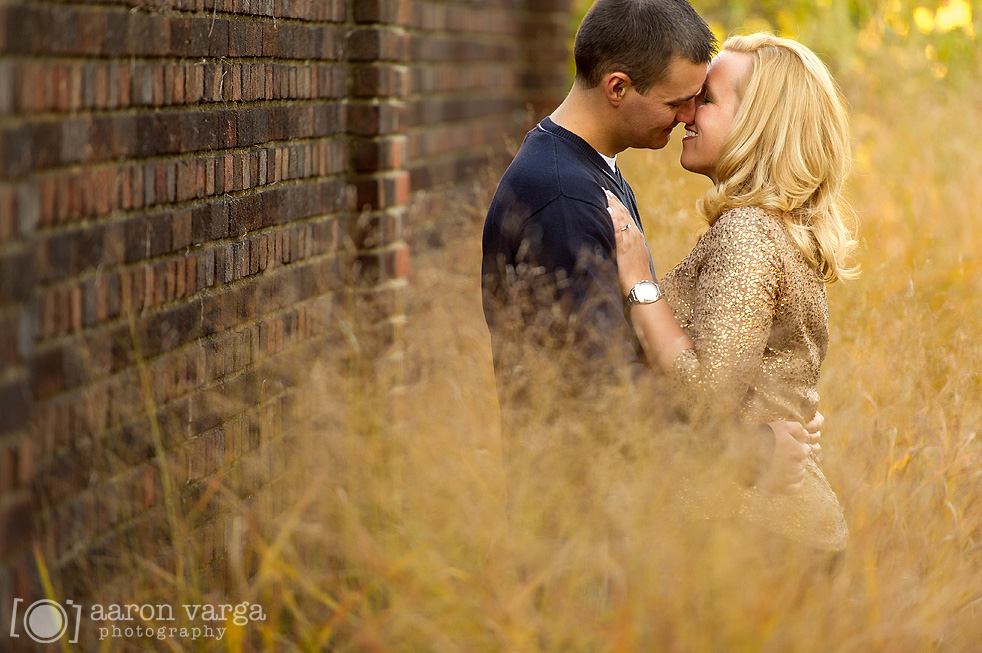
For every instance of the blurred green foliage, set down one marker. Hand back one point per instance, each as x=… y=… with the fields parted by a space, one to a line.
x=887 y=38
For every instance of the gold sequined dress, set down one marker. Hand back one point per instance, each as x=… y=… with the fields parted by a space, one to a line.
x=757 y=314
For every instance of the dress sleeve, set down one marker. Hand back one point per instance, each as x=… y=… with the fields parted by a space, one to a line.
x=734 y=300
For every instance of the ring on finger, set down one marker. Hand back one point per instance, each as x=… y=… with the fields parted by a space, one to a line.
x=625 y=227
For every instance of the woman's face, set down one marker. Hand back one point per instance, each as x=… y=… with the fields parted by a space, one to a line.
x=716 y=107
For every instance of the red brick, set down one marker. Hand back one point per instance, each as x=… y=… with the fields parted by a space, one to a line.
x=190 y=274
x=195 y=83
x=378 y=154
x=254 y=255
x=168 y=281
x=26 y=462
x=47 y=373
x=383 y=80
x=377 y=44
x=168 y=84
x=180 y=279
x=75 y=304
x=124 y=83
x=16 y=525
x=376 y=119
x=100 y=291
x=235 y=79
x=209 y=167
x=127 y=299
x=104 y=181
x=177 y=84
x=101 y=87
x=186 y=179
x=228 y=173
x=246 y=174
x=8 y=211
x=181 y=230
x=8 y=468
x=381 y=11
x=382 y=192
x=9 y=330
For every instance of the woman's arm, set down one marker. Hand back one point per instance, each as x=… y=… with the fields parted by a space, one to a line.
x=732 y=312
x=732 y=316
x=662 y=339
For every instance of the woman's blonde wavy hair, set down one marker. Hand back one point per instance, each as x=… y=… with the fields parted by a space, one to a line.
x=788 y=152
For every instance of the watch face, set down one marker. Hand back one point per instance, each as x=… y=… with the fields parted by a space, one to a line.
x=646 y=293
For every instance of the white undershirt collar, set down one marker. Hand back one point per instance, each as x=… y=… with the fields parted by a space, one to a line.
x=611 y=161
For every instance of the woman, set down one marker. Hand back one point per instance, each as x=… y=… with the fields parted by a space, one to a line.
x=745 y=326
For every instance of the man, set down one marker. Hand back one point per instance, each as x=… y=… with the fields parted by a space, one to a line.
x=551 y=295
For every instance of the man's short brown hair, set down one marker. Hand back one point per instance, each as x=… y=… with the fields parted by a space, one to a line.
x=639 y=38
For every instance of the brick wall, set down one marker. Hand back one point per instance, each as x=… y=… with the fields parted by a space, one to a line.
x=187 y=189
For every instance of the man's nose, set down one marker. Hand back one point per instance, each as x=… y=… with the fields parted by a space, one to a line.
x=687 y=112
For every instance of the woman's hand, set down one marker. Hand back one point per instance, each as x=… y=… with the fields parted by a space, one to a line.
x=659 y=332
x=633 y=259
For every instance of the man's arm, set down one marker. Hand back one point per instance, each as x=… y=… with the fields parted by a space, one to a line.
x=793 y=443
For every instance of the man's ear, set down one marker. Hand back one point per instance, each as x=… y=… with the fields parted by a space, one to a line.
x=616 y=87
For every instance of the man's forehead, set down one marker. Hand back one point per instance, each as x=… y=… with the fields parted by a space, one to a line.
x=685 y=73
x=683 y=82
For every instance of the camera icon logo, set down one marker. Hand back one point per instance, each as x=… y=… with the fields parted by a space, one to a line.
x=47 y=621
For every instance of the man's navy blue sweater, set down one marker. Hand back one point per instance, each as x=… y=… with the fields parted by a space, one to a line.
x=549 y=278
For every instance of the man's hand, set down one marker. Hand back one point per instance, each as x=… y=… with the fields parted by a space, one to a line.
x=792 y=444
x=814 y=433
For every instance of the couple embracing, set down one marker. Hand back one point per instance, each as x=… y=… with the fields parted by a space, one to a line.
x=733 y=336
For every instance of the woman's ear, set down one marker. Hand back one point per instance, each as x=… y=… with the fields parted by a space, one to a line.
x=616 y=86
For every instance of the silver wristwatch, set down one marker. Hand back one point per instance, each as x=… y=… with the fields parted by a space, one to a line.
x=644 y=292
